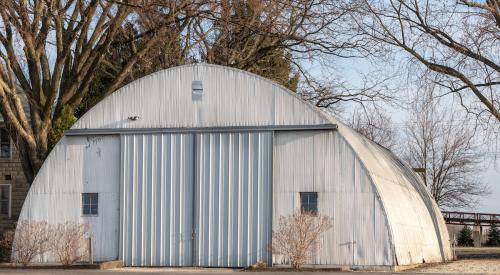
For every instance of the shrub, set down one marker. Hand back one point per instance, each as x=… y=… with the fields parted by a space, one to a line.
x=493 y=236
x=259 y=265
x=297 y=236
x=465 y=237
x=68 y=242
x=30 y=239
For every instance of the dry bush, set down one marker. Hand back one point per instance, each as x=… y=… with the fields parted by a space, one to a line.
x=259 y=265
x=68 y=242
x=30 y=239
x=297 y=236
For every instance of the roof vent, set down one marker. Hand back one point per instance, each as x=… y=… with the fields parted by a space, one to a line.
x=197 y=87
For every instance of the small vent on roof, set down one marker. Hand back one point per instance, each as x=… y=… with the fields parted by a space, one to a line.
x=197 y=87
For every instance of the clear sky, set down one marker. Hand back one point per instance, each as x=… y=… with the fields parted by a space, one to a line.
x=351 y=70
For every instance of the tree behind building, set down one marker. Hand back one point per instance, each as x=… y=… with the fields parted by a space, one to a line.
x=465 y=237
x=493 y=237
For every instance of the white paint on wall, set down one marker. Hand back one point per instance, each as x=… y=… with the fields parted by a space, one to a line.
x=80 y=165
x=157 y=200
x=362 y=185
x=230 y=98
x=416 y=225
x=323 y=162
x=233 y=199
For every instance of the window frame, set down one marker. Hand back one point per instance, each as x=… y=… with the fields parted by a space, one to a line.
x=82 y=205
x=314 y=213
x=9 y=207
x=10 y=145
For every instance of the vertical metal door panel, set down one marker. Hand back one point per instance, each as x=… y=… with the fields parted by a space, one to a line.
x=156 y=204
x=233 y=199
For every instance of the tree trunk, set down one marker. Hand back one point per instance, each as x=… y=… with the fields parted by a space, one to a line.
x=31 y=157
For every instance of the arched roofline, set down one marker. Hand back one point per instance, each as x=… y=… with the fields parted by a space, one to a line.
x=323 y=114
x=282 y=88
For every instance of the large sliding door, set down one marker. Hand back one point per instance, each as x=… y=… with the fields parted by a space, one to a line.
x=196 y=199
x=157 y=200
x=233 y=199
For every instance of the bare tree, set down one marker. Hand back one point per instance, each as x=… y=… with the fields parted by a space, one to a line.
x=297 y=236
x=49 y=52
x=455 y=41
x=171 y=47
x=52 y=52
x=67 y=242
x=30 y=239
x=278 y=40
x=243 y=33
x=443 y=143
x=377 y=126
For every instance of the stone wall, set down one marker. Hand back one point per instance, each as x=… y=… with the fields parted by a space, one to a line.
x=11 y=172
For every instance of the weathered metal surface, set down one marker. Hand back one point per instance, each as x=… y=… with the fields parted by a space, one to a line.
x=323 y=162
x=235 y=129
x=367 y=173
x=80 y=165
x=233 y=199
x=416 y=225
x=204 y=202
x=156 y=203
x=230 y=98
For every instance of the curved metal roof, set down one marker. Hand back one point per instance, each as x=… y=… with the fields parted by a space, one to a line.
x=165 y=100
x=234 y=98
x=250 y=100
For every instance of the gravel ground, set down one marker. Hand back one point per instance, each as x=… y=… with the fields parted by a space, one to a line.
x=468 y=266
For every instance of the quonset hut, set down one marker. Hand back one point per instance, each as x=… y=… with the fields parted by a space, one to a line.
x=193 y=166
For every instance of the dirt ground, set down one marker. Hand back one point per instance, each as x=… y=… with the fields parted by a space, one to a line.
x=467 y=266
x=472 y=260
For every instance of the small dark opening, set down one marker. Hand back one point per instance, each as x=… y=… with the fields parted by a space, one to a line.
x=8 y=177
x=309 y=202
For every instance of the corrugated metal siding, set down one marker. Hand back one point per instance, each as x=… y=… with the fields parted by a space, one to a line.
x=157 y=205
x=235 y=98
x=417 y=226
x=230 y=98
x=80 y=165
x=321 y=161
x=233 y=197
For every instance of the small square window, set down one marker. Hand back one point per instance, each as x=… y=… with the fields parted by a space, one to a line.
x=90 y=202
x=309 y=202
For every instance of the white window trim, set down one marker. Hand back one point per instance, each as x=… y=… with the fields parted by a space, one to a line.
x=10 y=198
x=81 y=205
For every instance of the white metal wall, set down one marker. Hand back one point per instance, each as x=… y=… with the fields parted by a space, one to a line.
x=231 y=97
x=88 y=164
x=233 y=199
x=417 y=227
x=231 y=196
x=157 y=205
x=321 y=161
x=236 y=98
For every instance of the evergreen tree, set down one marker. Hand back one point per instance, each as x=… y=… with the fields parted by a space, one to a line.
x=465 y=237
x=493 y=236
x=246 y=40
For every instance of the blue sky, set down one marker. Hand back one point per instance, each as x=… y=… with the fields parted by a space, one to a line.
x=351 y=70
